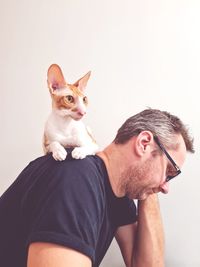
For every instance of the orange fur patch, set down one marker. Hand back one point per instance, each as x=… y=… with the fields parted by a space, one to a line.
x=60 y=101
x=45 y=143
x=75 y=90
x=90 y=135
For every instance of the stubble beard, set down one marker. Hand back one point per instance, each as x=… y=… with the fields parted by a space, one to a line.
x=134 y=181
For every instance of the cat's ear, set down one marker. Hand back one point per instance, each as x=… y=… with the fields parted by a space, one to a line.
x=82 y=82
x=55 y=78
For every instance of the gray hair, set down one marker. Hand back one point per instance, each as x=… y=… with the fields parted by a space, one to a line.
x=160 y=123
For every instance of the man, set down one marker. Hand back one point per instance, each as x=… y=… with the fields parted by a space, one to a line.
x=67 y=213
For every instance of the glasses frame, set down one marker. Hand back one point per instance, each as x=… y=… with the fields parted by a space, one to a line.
x=178 y=171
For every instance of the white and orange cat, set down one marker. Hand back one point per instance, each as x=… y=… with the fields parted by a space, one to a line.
x=64 y=127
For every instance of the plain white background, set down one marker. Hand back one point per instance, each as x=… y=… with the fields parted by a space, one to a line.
x=141 y=54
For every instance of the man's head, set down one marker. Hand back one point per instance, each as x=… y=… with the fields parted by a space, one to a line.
x=158 y=142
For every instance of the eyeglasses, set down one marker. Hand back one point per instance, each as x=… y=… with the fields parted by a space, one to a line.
x=177 y=169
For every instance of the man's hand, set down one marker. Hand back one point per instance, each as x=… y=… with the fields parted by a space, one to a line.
x=142 y=243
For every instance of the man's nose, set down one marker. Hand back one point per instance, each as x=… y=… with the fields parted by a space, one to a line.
x=165 y=188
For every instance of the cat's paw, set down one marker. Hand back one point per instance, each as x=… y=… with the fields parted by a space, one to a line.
x=59 y=153
x=79 y=153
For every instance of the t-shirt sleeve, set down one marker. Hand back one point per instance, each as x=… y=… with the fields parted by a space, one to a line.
x=68 y=212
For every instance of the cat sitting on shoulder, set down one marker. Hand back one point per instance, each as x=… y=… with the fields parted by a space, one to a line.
x=64 y=127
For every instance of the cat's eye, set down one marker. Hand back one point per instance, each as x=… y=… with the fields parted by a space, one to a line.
x=85 y=99
x=70 y=98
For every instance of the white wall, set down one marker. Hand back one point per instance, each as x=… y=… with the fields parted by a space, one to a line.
x=141 y=53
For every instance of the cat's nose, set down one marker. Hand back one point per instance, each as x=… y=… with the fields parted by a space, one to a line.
x=81 y=113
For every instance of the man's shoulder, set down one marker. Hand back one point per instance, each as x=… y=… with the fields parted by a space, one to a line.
x=89 y=172
x=89 y=163
x=78 y=181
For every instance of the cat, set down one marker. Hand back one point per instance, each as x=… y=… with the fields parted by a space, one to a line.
x=64 y=127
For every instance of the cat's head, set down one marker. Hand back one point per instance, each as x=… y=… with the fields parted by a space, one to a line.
x=67 y=99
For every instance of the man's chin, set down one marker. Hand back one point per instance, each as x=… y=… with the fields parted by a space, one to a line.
x=144 y=195
x=140 y=195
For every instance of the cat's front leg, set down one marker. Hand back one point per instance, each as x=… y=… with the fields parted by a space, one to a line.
x=58 y=151
x=79 y=153
x=82 y=152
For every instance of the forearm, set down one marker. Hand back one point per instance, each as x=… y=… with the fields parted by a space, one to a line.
x=149 y=246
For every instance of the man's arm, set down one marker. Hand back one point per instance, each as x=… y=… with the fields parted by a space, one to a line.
x=142 y=244
x=51 y=255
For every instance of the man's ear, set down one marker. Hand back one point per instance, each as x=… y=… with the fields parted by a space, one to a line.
x=144 y=142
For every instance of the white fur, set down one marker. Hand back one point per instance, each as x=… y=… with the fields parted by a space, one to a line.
x=61 y=131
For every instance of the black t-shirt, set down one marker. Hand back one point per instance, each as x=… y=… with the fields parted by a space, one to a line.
x=69 y=203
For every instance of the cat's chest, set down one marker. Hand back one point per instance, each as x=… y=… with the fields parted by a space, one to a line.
x=68 y=133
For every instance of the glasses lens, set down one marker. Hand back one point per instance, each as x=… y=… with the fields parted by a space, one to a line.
x=169 y=177
x=177 y=169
